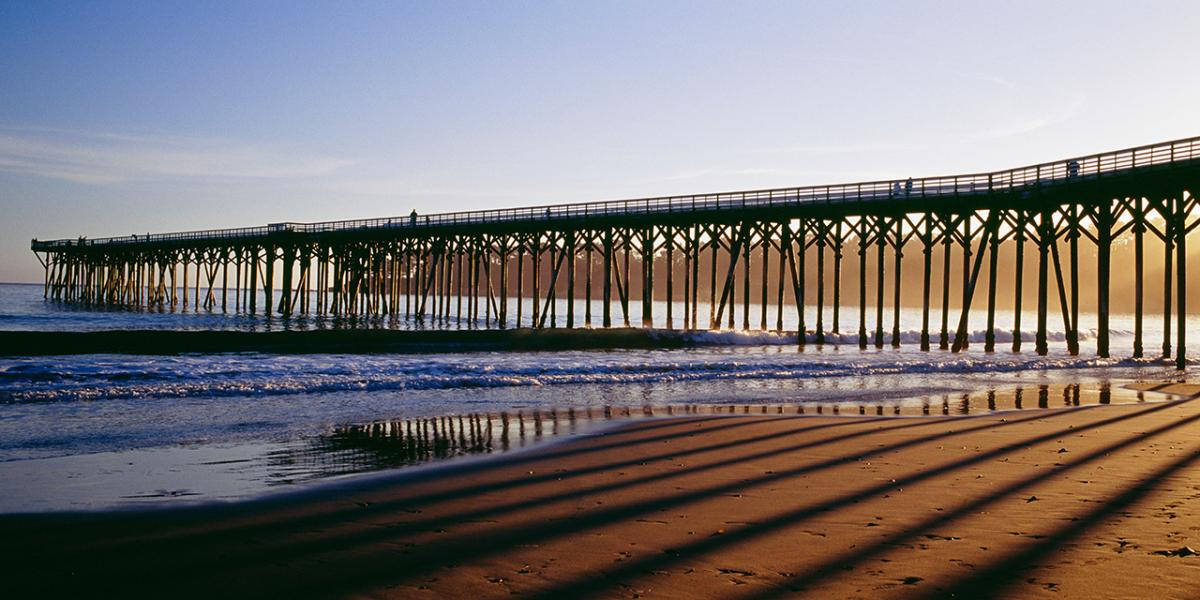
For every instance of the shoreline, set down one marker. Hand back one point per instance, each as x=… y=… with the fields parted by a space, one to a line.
x=199 y=474
x=336 y=341
x=1047 y=502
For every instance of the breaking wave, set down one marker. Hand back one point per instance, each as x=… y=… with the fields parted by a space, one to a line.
x=100 y=377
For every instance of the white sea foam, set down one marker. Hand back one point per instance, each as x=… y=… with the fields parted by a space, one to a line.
x=754 y=357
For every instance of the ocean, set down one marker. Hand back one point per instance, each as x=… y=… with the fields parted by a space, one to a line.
x=96 y=431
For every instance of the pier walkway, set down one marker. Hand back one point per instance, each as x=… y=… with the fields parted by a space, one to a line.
x=462 y=268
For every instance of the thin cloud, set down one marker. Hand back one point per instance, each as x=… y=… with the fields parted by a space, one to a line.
x=715 y=173
x=406 y=189
x=819 y=150
x=109 y=158
x=1028 y=124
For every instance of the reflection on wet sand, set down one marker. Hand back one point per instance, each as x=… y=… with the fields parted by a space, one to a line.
x=362 y=448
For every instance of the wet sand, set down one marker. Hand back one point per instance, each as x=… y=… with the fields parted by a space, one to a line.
x=1075 y=502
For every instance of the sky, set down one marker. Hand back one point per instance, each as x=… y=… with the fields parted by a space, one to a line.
x=135 y=117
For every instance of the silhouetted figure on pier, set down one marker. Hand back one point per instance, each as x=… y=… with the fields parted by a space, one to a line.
x=412 y=218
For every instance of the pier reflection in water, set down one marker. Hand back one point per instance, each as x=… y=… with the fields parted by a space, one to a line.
x=190 y=473
x=362 y=448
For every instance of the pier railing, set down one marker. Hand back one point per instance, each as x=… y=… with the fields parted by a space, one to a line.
x=1044 y=175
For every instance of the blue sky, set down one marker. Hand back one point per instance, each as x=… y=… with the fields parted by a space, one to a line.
x=119 y=118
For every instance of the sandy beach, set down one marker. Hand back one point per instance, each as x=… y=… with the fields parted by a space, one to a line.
x=1085 y=502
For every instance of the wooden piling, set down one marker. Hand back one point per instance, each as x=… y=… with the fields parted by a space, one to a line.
x=947 y=245
x=862 y=282
x=926 y=271
x=1045 y=238
x=1104 y=224
x=821 y=234
x=1181 y=282
x=1019 y=277
x=898 y=256
x=881 y=233
x=1139 y=232
x=989 y=341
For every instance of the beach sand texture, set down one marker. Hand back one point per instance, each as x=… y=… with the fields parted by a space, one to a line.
x=1088 y=502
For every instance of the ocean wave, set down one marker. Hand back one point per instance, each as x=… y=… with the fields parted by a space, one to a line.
x=316 y=375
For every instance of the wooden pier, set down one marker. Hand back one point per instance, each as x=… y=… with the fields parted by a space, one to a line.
x=461 y=269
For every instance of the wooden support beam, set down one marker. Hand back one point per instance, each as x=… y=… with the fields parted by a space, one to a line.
x=185 y=285
x=608 y=277
x=1104 y=224
x=669 y=242
x=798 y=266
x=285 y=291
x=862 y=282
x=783 y=231
x=558 y=261
x=727 y=289
x=881 y=233
x=1169 y=234
x=570 y=251
x=556 y=258
x=1068 y=322
x=796 y=277
x=1019 y=277
x=485 y=280
x=269 y=282
x=408 y=281
x=989 y=339
x=1139 y=233
x=898 y=255
x=490 y=308
x=765 y=236
x=252 y=295
x=535 y=254
x=926 y=271
x=1045 y=239
x=968 y=234
x=714 y=243
x=1181 y=281
x=837 y=277
x=647 y=255
x=622 y=290
x=520 y=280
x=623 y=277
x=502 y=316
x=822 y=236
x=695 y=254
x=747 y=246
x=587 y=280
x=971 y=278
x=947 y=246
x=1073 y=238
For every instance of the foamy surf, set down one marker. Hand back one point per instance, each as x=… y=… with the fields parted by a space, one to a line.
x=91 y=378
